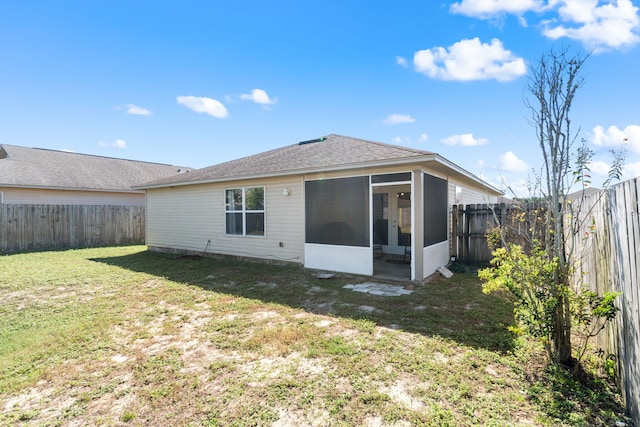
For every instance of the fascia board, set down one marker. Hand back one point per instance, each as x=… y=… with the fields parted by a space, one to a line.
x=306 y=171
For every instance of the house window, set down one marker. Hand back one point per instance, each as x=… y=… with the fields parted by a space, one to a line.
x=244 y=211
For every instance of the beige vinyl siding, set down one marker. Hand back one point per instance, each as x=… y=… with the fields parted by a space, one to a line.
x=192 y=218
x=468 y=196
x=13 y=195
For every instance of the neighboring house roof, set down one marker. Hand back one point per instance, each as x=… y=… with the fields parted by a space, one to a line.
x=41 y=168
x=329 y=153
x=583 y=193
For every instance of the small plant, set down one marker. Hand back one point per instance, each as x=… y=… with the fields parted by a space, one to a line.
x=527 y=277
x=609 y=366
x=127 y=416
x=457 y=267
x=591 y=312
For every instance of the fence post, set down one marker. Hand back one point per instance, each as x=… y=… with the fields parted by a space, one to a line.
x=454 y=231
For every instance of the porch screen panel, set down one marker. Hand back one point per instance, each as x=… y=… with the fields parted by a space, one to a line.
x=436 y=210
x=337 y=211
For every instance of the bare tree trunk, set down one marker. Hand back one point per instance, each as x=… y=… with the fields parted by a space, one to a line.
x=562 y=333
x=553 y=84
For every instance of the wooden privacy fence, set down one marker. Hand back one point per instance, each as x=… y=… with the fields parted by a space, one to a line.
x=470 y=224
x=606 y=251
x=37 y=227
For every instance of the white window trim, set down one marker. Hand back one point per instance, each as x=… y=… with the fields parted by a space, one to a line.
x=244 y=212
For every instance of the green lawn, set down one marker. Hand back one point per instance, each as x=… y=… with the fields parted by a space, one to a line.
x=121 y=336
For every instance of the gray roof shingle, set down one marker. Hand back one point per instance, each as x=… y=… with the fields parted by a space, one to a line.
x=43 y=168
x=332 y=151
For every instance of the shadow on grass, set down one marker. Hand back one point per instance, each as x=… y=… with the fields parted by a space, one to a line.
x=454 y=309
x=573 y=398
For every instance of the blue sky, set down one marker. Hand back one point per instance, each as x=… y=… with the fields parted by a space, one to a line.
x=195 y=83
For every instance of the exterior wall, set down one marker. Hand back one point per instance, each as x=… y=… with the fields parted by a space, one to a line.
x=192 y=218
x=347 y=259
x=467 y=195
x=435 y=256
x=12 y=195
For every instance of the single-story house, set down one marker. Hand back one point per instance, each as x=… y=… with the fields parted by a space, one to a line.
x=333 y=203
x=41 y=176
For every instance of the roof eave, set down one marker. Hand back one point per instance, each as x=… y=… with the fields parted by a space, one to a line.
x=304 y=171
x=467 y=174
x=335 y=168
x=44 y=187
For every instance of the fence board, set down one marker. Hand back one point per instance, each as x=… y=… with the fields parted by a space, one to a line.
x=37 y=227
x=607 y=255
x=471 y=223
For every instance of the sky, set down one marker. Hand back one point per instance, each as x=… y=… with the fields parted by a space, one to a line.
x=196 y=83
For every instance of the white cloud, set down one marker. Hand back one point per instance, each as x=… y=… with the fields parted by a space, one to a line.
x=632 y=170
x=511 y=163
x=401 y=61
x=258 y=96
x=599 y=167
x=200 y=104
x=137 y=111
x=466 y=140
x=614 y=24
x=470 y=59
x=518 y=188
x=599 y=25
x=614 y=137
x=408 y=140
x=119 y=143
x=397 y=119
x=487 y=9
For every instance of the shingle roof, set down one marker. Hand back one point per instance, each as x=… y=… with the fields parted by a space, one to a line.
x=42 y=168
x=332 y=151
x=583 y=193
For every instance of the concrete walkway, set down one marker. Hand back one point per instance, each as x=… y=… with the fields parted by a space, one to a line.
x=380 y=289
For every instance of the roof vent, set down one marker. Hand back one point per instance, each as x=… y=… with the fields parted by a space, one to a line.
x=311 y=141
